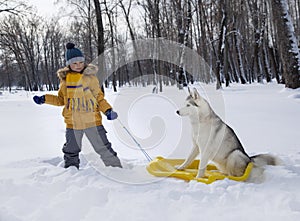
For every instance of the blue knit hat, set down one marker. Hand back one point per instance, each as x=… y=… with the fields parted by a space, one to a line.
x=73 y=54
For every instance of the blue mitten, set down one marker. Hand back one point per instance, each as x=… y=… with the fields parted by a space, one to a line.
x=39 y=99
x=111 y=115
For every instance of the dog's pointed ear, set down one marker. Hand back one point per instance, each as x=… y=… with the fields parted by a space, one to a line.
x=196 y=94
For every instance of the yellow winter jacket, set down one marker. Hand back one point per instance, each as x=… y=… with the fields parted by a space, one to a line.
x=81 y=96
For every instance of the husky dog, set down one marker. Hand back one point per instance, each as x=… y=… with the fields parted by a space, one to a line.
x=217 y=141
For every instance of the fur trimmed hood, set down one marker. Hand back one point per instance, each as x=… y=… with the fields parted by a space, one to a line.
x=90 y=69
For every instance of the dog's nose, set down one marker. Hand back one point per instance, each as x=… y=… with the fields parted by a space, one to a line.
x=177 y=112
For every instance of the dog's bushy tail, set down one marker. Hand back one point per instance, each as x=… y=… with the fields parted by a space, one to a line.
x=261 y=160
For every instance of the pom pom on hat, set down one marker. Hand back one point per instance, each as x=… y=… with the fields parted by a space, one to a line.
x=70 y=45
x=73 y=54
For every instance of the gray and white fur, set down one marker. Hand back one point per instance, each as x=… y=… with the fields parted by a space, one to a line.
x=217 y=142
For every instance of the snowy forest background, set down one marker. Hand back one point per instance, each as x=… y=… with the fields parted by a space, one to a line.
x=241 y=40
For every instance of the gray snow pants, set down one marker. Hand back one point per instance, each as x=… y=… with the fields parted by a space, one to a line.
x=98 y=139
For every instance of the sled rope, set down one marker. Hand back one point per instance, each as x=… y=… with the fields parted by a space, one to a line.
x=137 y=143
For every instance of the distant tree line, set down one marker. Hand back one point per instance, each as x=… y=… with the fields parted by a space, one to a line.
x=241 y=40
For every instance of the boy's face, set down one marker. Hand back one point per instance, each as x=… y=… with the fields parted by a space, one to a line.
x=77 y=66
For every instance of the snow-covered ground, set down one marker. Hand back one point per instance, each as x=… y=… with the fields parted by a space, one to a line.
x=34 y=186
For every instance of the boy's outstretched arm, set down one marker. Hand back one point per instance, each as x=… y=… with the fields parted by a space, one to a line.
x=56 y=100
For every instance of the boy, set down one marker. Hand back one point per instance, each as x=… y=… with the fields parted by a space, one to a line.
x=82 y=98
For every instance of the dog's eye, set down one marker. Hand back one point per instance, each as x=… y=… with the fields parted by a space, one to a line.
x=188 y=105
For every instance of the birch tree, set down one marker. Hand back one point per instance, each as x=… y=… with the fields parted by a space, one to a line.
x=287 y=43
x=183 y=12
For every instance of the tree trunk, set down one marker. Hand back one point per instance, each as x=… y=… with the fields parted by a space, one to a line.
x=221 y=47
x=184 y=20
x=288 y=44
x=100 y=42
x=111 y=26
x=126 y=14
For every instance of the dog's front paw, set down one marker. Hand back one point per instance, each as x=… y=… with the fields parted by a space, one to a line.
x=200 y=173
x=180 y=167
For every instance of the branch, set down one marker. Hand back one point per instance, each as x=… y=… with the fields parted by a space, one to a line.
x=10 y=10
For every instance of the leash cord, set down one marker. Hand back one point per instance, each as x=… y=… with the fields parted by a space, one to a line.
x=139 y=145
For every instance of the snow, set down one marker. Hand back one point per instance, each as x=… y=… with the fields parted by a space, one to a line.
x=35 y=186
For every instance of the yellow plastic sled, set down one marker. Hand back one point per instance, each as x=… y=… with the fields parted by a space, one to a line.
x=162 y=167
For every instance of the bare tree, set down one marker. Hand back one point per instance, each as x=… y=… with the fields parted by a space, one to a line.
x=287 y=42
x=183 y=11
x=14 y=7
x=52 y=41
x=20 y=37
x=126 y=12
x=240 y=40
x=221 y=47
x=110 y=14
